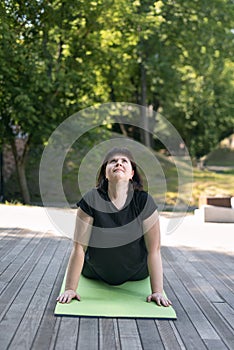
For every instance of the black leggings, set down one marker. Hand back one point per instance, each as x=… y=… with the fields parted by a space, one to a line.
x=89 y=272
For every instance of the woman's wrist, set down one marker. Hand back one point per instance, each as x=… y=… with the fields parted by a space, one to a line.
x=69 y=288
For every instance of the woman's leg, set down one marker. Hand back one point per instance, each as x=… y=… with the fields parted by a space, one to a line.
x=89 y=272
x=141 y=274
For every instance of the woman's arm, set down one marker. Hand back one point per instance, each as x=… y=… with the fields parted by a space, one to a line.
x=153 y=243
x=76 y=261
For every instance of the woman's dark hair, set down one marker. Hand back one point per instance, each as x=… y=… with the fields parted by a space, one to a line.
x=102 y=182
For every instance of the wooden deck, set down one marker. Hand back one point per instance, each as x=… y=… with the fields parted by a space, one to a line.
x=199 y=283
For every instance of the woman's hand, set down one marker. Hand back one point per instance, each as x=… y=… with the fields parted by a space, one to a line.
x=67 y=296
x=159 y=299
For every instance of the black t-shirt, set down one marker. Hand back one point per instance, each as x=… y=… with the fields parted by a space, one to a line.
x=117 y=250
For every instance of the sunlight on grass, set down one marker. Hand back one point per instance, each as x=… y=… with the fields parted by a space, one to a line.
x=205 y=183
x=212 y=184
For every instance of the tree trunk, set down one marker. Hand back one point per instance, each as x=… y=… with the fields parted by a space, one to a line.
x=20 y=161
x=1 y=178
x=145 y=123
x=121 y=125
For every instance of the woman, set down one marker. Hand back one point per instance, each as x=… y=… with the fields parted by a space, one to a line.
x=117 y=235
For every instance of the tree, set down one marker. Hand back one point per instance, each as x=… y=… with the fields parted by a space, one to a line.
x=187 y=69
x=40 y=83
x=17 y=106
x=58 y=57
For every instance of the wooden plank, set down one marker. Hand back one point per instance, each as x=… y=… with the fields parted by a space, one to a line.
x=88 y=334
x=47 y=333
x=168 y=337
x=7 y=245
x=224 y=274
x=27 y=329
x=67 y=334
x=3 y=285
x=117 y=335
x=14 y=265
x=226 y=311
x=12 y=288
x=8 y=242
x=226 y=334
x=178 y=337
x=216 y=263
x=15 y=311
x=53 y=336
x=224 y=292
x=218 y=323
x=186 y=259
x=221 y=259
x=129 y=336
x=224 y=257
x=5 y=236
x=215 y=345
x=183 y=324
x=150 y=337
x=107 y=334
x=208 y=290
x=186 y=284
x=17 y=245
x=208 y=285
x=8 y=232
x=203 y=326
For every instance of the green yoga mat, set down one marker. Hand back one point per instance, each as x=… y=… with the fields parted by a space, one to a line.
x=99 y=299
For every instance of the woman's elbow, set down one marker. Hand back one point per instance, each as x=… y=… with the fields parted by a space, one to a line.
x=78 y=248
x=156 y=250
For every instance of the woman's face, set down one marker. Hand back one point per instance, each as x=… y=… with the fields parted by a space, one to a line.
x=118 y=168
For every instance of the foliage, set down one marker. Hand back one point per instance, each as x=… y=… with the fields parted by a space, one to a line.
x=188 y=58
x=58 y=57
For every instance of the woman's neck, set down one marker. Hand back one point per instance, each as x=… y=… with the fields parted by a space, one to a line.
x=118 y=193
x=118 y=190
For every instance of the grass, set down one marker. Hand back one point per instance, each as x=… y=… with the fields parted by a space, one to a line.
x=204 y=183
x=220 y=157
x=212 y=184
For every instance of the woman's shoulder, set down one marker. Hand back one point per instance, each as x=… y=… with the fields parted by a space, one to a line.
x=145 y=202
x=91 y=194
x=142 y=195
x=140 y=198
x=89 y=201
